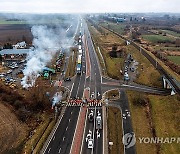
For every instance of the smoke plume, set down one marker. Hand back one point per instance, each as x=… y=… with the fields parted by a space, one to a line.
x=47 y=40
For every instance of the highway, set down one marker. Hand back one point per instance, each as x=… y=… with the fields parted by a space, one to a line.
x=95 y=93
x=62 y=139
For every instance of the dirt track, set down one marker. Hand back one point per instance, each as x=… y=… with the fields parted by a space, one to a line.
x=12 y=132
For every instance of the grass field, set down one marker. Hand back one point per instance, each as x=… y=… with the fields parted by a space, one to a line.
x=166 y=111
x=12 y=131
x=140 y=125
x=119 y=28
x=36 y=135
x=148 y=75
x=3 y=21
x=165 y=118
x=115 y=133
x=156 y=38
x=175 y=59
x=172 y=33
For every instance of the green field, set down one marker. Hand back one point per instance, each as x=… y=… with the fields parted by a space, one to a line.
x=172 y=33
x=175 y=59
x=4 y=21
x=119 y=28
x=156 y=38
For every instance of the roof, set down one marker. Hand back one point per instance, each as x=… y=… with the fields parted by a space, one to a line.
x=14 y=51
x=48 y=69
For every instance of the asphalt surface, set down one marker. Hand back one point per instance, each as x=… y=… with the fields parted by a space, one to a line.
x=94 y=82
x=63 y=136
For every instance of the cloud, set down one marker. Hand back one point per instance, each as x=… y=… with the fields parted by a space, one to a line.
x=79 y=6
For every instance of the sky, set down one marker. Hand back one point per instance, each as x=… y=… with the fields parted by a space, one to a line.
x=89 y=6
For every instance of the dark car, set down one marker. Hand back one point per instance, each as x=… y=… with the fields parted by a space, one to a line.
x=67 y=79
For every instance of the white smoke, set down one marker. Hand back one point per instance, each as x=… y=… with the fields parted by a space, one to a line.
x=47 y=40
x=44 y=42
x=56 y=98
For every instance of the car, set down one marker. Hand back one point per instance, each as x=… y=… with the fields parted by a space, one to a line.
x=1 y=75
x=90 y=143
x=91 y=116
x=126 y=76
x=67 y=79
x=9 y=71
x=124 y=116
x=132 y=69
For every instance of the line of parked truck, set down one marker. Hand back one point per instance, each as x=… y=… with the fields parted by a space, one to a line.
x=79 y=63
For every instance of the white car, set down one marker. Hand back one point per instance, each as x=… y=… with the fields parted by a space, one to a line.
x=90 y=143
x=124 y=116
x=10 y=71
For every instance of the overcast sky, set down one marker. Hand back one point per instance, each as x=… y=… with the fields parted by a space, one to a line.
x=78 y=6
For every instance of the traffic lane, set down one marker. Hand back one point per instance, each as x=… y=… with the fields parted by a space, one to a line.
x=82 y=80
x=81 y=87
x=89 y=127
x=97 y=140
x=98 y=136
x=98 y=86
x=66 y=142
x=55 y=144
x=75 y=87
x=56 y=139
x=127 y=122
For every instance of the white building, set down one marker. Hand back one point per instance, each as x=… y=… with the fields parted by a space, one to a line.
x=20 y=45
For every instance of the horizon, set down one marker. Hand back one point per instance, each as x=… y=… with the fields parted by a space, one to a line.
x=90 y=6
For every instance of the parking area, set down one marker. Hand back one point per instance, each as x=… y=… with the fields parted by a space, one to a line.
x=130 y=69
x=12 y=71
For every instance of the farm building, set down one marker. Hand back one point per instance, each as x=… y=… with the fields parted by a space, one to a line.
x=20 y=45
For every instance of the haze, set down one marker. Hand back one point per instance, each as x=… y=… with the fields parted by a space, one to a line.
x=89 y=6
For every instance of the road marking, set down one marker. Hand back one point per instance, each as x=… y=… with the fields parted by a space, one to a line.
x=75 y=130
x=59 y=150
x=98 y=134
x=72 y=88
x=54 y=131
x=94 y=128
x=49 y=150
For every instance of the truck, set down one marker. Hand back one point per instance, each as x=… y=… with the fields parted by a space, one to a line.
x=78 y=68
x=98 y=122
x=46 y=74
